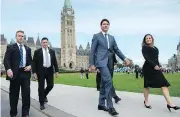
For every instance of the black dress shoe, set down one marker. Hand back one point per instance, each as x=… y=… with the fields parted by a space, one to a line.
x=174 y=107
x=102 y=108
x=45 y=100
x=112 y=111
x=149 y=107
x=42 y=107
x=117 y=99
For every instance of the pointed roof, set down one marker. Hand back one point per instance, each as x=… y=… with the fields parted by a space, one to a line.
x=88 y=46
x=67 y=4
x=38 y=43
x=30 y=42
x=12 y=41
x=80 y=47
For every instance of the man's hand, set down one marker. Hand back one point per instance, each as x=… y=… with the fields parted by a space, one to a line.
x=56 y=74
x=127 y=62
x=35 y=76
x=92 y=68
x=157 y=67
x=10 y=73
x=27 y=68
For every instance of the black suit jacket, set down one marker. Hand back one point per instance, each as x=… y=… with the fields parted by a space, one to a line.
x=12 y=59
x=38 y=62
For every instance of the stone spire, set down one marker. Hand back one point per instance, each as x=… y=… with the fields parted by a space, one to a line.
x=38 y=43
x=88 y=46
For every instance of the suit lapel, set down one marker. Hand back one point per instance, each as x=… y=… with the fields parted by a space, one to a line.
x=50 y=52
x=16 y=48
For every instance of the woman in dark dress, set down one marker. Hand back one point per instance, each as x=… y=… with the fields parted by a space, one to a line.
x=153 y=77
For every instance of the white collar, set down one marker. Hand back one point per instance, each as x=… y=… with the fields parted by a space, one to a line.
x=104 y=33
x=19 y=44
x=45 y=49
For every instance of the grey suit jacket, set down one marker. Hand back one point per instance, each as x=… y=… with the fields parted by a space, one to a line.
x=100 y=52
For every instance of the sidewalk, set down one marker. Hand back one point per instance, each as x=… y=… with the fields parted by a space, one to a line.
x=82 y=102
x=5 y=107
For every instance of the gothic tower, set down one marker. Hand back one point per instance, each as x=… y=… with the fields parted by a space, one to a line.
x=68 y=42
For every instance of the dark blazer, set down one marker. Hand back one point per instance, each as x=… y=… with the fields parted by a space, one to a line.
x=99 y=50
x=38 y=62
x=150 y=55
x=12 y=59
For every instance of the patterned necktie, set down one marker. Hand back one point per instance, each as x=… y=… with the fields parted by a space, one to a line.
x=47 y=57
x=21 y=56
x=107 y=40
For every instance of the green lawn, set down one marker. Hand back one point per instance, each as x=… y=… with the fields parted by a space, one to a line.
x=122 y=82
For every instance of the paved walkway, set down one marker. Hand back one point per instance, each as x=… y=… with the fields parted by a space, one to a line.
x=82 y=102
x=5 y=107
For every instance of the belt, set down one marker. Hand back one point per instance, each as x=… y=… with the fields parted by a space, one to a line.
x=46 y=67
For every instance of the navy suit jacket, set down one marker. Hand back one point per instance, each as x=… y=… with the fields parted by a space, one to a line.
x=12 y=59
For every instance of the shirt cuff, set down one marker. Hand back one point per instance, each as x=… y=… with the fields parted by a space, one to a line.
x=126 y=59
x=9 y=70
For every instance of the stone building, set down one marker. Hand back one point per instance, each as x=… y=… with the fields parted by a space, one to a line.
x=3 y=48
x=71 y=57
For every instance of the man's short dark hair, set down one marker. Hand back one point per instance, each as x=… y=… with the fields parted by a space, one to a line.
x=104 y=20
x=44 y=38
x=19 y=31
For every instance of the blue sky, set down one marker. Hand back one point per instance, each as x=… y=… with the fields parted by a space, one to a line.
x=130 y=21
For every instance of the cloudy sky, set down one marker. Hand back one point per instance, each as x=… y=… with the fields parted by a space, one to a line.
x=130 y=21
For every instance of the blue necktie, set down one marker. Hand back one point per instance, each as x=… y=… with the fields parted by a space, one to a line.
x=21 y=56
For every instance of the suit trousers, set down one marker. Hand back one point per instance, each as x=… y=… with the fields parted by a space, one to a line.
x=42 y=91
x=22 y=80
x=105 y=88
x=113 y=89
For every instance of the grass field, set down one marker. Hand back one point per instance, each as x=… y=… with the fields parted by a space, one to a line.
x=122 y=82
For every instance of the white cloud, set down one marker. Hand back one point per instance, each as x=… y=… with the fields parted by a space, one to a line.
x=139 y=25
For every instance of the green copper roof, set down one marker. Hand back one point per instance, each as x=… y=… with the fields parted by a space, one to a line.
x=67 y=4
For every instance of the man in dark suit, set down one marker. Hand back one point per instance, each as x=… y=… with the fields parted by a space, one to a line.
x=17 y=62
x=137 y=72
x=44 y=64
x=102 y=43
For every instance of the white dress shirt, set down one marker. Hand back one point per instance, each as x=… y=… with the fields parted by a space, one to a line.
x=107 y=38
x=44 y=57
x=24 y=54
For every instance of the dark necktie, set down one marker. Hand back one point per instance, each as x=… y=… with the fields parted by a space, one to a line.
x=21 y=56
x=107 y=40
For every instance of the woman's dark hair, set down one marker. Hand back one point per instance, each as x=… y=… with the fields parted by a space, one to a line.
x=144 y=40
